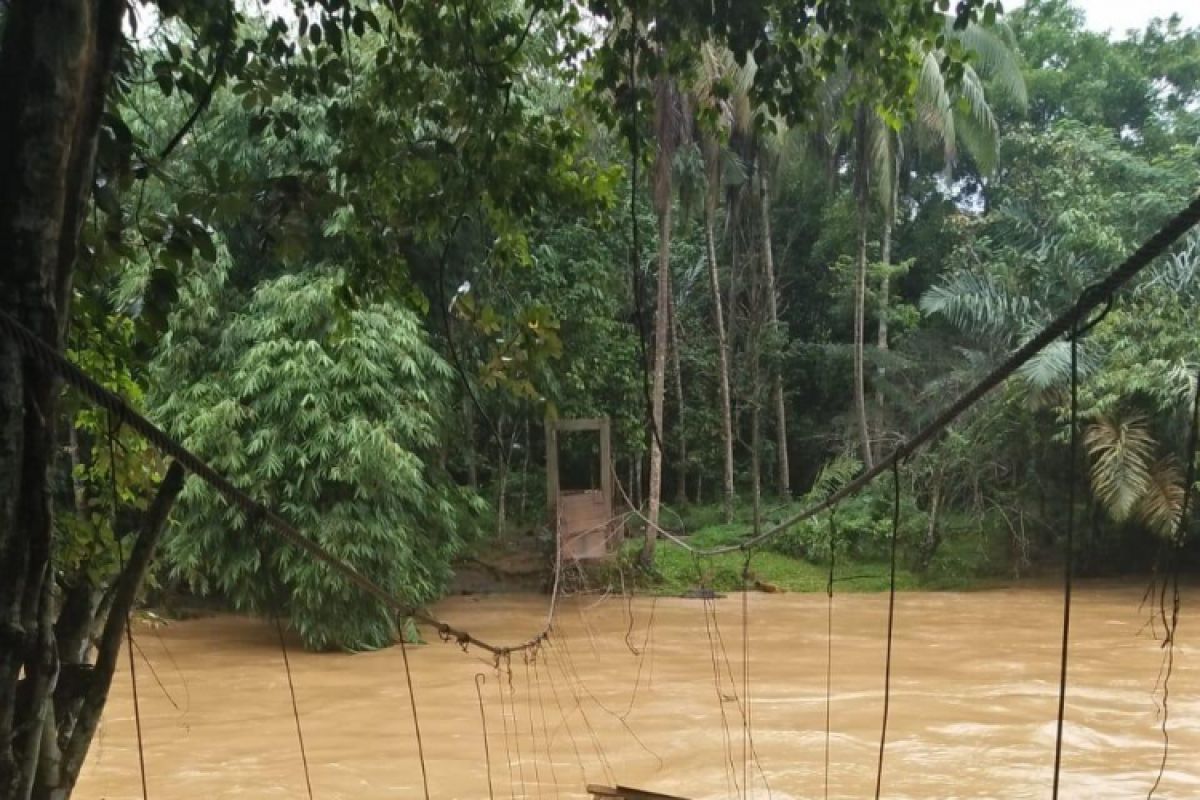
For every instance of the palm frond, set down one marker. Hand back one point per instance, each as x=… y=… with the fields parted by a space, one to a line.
x=993 y=49
x=1049 y=368
x=976 y=124
x=1121 y=450
x=833 y=476
x=978 y=305
x=882 y=146
x=1162 y=501
x=933 y=107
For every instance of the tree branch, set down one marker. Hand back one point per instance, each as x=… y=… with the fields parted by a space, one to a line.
x=209 y=89
x=124 y=594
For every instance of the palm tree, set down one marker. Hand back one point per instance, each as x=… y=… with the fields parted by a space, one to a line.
x=668 y=133
x=767 y=162
x=954 y=118
x=862 y=190
x=718 y=67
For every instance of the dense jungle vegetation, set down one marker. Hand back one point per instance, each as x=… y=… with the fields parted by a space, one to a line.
x=353 y=254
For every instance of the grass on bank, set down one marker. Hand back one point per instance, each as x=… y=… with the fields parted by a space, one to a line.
x=966 y=559
x=678 y=570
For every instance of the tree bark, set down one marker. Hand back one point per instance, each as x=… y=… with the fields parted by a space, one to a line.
x=885 y=258
x=658 y=386
x=504 y=456
x=56 y=59
x=933 y=537
x=714 y=280
x=525 y=473
x=783 y=479
x=666 y=133
x=681 y=495
x=861 y=190
x=85 y=696
x=468 y=442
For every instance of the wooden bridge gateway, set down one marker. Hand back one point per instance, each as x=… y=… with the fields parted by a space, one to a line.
x=583 y=517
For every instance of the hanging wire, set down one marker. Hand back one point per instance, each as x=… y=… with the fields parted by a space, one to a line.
x=746 y=673
x=287 y=667
x=412 y=702
x=887 y=670
x=1068 y=557
x=564 y=723
x=642 y=653
x=537 y=774
x=114 y=426
x=1171 y=623
x=512 y=792
x=829 y=641
x=566 y=668
x=274 y=603
x=546 y=740
x=481 y=679
x=730 y=769
x=516 y=725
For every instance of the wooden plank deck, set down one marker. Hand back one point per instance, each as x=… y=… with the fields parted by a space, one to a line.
x=627 y=793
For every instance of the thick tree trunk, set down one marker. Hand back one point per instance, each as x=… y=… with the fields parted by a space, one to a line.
x=56 y=58
x=681 y=495
x=667 y=136
x=783 y=479
x=714 y=282
x=658 y=387
x=861 y=189
x=80 y=700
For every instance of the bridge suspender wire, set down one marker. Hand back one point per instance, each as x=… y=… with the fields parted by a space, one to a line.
x=412 y=701
x=1068 y=559
x=113 y=428
x=1171 y=622
x=829 y=642
x=891 y=619
x=287 y=668
x=481 y=679
x=275 y=605
x=1079 y=327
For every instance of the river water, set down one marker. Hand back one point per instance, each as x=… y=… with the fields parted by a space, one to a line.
x=617 y=699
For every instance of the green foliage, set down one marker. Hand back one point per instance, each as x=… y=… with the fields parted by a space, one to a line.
x=678 y=571
x=327 y=415
x=112 y=472
x=467 y=174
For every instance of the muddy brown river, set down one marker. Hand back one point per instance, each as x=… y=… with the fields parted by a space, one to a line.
x=616 y=699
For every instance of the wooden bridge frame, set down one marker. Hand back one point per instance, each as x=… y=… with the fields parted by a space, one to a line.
x=579 y=536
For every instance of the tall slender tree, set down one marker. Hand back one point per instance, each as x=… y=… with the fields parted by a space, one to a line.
x=668 y=129
x=783 y=478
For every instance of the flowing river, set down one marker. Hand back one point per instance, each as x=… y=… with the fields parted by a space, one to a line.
x=650 y=693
